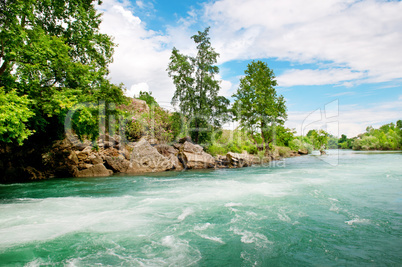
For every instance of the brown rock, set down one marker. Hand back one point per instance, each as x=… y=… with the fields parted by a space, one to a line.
x=82 y=156
x=146 y=158
x=197 y=161
x=166 y=150
x=94 y=171
x=176 y=162
x=95 y=159
x=117 y=164
x=34 y=174
x=239 y=160
x=194 y=157
x=191 y=148
x=221 y=161
x=303 y=151
x=73 y=158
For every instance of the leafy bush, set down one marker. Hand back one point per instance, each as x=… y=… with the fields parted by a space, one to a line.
x=134 y=130
x=216 y=149
x=85 y=123
x=14 y=113
x=284 y=151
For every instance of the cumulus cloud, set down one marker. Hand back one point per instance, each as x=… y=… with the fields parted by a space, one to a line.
x=317 y=77
x=141 y=57
x=362 y=36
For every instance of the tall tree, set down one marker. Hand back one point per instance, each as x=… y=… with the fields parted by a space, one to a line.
x=197 y=88
x=257 y=105
x=52 y=52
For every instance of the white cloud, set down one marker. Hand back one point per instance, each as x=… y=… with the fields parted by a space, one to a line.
x=363 y=36
x=141 y=57
x=317 y=77
x=135 y=89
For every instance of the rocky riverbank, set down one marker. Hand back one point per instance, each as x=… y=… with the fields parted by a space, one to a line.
x=72 y=158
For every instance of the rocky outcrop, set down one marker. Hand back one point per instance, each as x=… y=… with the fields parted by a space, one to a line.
x=110 y=155
x=172 y=154
x=193 y=157
x=303 y=151
x=221 y=161
x=146 y=158
x=94 y=171
x=237 y=160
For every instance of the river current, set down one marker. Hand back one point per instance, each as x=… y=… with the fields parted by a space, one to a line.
x=332 y=210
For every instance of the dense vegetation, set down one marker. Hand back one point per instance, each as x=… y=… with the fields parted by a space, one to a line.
x=387 y=137
x=52 y=57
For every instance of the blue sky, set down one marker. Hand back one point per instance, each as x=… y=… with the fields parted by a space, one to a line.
x=335 y=51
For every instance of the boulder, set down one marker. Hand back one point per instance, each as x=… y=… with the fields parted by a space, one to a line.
x=193 y=157
x=197 y=161
x=177 y=165
x=146 y=158
x=303 y=151
x=73 y=158
x=166 y=150
x=191 y=148
x=83 y=155
x=95 y=159
x=94 y=171
x=117 y=164
x=35 y=174
x=237 y=160
x=172 y=154
x=221 y=161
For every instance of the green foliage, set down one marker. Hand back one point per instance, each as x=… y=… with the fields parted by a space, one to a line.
x=300 y=143
x=197 y=89
x=345 y=143
x=85 y=123
x=178 y=125
x=14 y=113
x=134 y=130
x=53 y=53
x=155 y=124
x=217 y=149
x=332 y=142
x=257 y=105
x=284 y=151
x=232 y=141
x=283 y=135
x=147 y=97
x=319 y=139
x=387 y=137
x=158 y=125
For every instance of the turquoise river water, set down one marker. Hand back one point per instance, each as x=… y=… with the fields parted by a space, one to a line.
x=298 y=212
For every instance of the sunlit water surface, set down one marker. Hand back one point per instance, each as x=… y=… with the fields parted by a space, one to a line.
x=301 y=211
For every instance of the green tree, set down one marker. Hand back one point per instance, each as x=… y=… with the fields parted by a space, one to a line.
x=320 y=139
x=14 y=113
x=52 y=52
x=197 y=88
x=257 y=105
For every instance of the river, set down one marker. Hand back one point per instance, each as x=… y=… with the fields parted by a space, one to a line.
x=301 y=211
